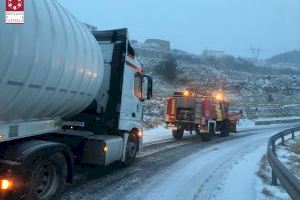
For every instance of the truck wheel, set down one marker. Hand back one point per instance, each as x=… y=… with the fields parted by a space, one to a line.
x=131 y=151
x=178 y=134
x=211 y=129
x=233 y=128
x=48 y=178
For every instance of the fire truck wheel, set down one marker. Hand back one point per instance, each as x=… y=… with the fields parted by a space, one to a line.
x=225 y=128
x=211 y=129
x=178 y=134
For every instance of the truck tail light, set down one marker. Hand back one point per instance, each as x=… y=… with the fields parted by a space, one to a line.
x=5 y=184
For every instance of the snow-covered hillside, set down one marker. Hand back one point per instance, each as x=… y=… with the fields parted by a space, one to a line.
x=260 y=91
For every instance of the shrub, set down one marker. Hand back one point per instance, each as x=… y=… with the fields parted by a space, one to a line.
x=167 y=69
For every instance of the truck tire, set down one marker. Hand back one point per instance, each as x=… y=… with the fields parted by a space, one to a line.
x=48 y=178
x=233 y=127
x=211 y=129
x=225 y=128
x=131 y=150
x=178 y=134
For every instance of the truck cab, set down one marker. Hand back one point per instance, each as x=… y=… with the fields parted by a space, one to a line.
x=118 y=105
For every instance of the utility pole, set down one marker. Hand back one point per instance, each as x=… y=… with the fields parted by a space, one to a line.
x=255 y=53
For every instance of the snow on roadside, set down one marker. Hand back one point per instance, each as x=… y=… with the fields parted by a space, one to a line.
x=245 y=123
x=162 y=133
x=277 y=118
x=265 y=190
x=289 y=155
x=291 y=161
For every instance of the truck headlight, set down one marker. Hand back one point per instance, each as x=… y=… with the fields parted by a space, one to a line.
x=140 y=134
x=105 y=149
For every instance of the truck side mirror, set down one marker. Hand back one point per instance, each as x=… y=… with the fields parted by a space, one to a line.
x=149 y=86
x=149 y=89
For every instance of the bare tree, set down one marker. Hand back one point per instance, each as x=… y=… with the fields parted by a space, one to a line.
x=167 y=69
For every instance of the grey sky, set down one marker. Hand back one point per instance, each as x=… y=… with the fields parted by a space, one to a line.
x=193 y=25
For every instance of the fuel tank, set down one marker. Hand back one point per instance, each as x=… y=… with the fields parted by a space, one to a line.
x=50 y=67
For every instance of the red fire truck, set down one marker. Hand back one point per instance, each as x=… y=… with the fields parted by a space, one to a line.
x=206 y=115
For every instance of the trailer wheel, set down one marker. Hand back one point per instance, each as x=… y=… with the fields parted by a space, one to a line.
x=178 y=134
x=131 y=150
x=48 y=178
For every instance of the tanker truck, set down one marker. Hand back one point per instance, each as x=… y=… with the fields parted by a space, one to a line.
x=68 y=97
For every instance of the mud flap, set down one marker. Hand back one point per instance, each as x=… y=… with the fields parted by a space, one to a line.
x=125 y=140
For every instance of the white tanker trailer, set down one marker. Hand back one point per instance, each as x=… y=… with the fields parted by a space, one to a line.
x=67 y=97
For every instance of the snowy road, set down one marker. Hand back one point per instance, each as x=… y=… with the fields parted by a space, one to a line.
x=190 y=169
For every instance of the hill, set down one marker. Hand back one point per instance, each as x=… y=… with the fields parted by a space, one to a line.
x=289 y=59
x=260 y=91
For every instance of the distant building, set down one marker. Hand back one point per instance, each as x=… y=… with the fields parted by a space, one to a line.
x=162 y=44
x=213 y=53
x=249 y=59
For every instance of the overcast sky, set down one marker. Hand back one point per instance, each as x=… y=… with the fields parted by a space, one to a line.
x=194 y=25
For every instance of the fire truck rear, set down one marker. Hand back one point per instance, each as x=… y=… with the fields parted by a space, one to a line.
x=206 y=115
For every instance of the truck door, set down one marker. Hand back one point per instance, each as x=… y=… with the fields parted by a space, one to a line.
x=131 y=105
x=137 y=107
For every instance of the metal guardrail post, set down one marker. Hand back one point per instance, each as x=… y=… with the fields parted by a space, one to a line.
x=274 y=178
x=293 y=135
x=282 y=140
x=273 y=148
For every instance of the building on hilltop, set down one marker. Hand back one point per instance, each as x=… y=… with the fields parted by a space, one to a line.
x=213 y=53
x=162 y=44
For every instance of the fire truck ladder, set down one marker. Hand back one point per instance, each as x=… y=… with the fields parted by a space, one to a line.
x=198 y=105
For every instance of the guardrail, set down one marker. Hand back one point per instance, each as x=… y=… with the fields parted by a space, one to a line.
x=279 y=171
